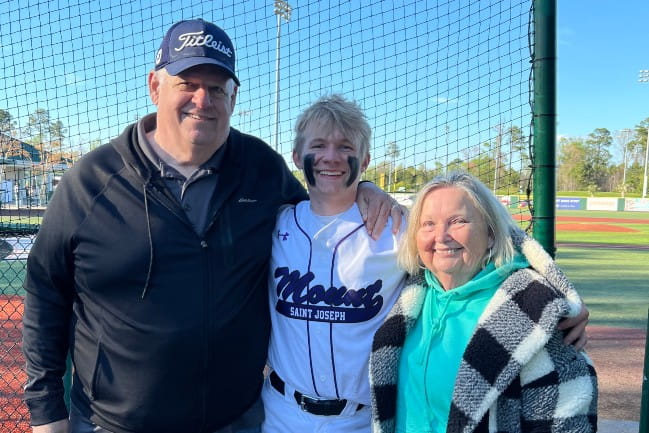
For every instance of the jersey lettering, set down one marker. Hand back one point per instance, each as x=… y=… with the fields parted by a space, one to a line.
x=334 y=305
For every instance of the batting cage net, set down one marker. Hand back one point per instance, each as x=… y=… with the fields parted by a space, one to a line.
x=445 y=84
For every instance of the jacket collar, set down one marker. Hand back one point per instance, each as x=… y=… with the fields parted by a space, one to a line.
x=129 y=146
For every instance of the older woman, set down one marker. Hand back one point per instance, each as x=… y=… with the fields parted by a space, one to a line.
x=471 y=344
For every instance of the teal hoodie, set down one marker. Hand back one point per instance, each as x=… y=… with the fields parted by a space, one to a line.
x=433 y=350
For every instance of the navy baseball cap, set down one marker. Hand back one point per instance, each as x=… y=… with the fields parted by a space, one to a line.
x=195 y=42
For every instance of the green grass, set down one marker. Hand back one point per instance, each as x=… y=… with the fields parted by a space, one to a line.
x=7 y=219
x=12 y=274
x=604 y=214
x=615 y=194
x=613 y=283
x=640 y=237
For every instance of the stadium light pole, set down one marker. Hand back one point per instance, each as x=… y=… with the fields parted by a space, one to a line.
x=623 y=136
x=643 y=77
x=283 y=11
x=246 y=114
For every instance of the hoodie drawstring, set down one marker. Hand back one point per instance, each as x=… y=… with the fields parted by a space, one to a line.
x=148 y=228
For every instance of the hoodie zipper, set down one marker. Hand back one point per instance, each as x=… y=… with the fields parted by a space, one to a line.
x=206 y=332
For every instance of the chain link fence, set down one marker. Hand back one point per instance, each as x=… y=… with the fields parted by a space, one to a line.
x=445 y=84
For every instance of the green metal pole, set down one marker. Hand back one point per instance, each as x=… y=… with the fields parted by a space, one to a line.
x=644 y=404
x=545 y=117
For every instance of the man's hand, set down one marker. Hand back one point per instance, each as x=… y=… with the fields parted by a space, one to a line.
x=576 y=327
x=61 y=426
x=376 y=206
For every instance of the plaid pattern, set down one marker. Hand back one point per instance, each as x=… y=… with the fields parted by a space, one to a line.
x=516 y=374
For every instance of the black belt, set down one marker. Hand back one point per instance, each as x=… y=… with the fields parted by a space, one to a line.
x=312 y=405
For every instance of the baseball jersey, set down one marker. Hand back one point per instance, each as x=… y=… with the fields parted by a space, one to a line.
x=331 y=286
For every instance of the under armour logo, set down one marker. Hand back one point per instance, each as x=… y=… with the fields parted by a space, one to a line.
x=282 y=236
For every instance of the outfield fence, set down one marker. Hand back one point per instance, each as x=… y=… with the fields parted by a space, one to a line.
x=446 y=84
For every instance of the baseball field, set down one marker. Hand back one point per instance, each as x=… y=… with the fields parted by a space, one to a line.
x=605 y=254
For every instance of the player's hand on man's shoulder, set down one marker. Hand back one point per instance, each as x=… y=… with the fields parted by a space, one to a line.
x=376 y=206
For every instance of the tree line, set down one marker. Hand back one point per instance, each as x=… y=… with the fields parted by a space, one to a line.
x=503 y=164
x=44 y=134
x=601 y=161
x=585 y=164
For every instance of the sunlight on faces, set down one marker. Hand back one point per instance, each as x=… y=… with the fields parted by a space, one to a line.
x=194 y=107
x=331 y=163
x=452 y=238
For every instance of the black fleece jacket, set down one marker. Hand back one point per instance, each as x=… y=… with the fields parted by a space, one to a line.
x=168 y=330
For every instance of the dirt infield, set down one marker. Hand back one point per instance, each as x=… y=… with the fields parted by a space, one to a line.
x=588 y=220
x=603 y=220
x=618 y=355
x=582 y=227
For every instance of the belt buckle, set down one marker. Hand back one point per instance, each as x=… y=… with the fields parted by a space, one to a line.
x=303 y=403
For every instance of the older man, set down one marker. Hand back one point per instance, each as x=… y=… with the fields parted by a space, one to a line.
x=150 y=267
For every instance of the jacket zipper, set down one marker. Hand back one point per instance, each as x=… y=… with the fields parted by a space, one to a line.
x=171 y=205
x=206 y=330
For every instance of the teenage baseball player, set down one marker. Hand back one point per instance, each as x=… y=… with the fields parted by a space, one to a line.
x=331 y=285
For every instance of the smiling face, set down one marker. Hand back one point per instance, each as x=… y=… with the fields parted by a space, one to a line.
x=194 y=109
x=453 y=237
x=332 y=166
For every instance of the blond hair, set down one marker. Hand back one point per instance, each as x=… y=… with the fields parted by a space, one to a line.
x=498 y=220
x=331 y=112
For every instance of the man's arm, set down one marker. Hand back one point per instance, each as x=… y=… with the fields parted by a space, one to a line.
x=376 y=206
x=48 y=313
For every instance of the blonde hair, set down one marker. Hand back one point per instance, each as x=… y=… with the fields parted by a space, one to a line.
x=331 y=112
x=498 y=220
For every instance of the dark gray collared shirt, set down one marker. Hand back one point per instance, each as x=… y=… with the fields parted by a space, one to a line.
x=195 y=192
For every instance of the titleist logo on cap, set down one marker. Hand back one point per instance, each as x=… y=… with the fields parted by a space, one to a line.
x=199 y=39
x=196 y=42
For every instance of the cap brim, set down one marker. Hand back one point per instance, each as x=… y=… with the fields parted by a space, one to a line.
x=179 y=66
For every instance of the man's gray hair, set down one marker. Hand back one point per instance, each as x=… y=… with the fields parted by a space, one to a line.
x=498 y=220
x=162 y=74
x=331 y=112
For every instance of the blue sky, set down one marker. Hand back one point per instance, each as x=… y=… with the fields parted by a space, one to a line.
x=602 y=45
x=436 y=77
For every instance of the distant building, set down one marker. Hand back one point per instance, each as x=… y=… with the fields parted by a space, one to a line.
x=27 y=178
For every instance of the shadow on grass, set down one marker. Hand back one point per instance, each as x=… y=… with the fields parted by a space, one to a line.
x=612 y=282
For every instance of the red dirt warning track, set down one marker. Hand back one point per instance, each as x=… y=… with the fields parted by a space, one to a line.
x=618 y=355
